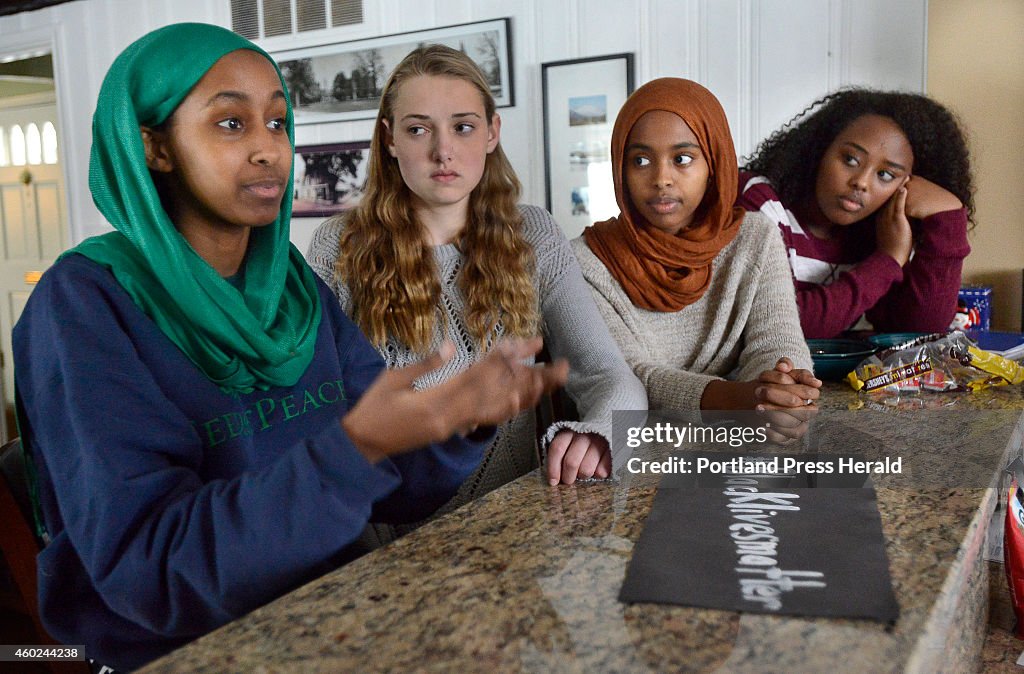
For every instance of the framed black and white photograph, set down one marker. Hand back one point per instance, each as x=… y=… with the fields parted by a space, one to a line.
x=582 y=97
x=343 y=81
x=329 y=179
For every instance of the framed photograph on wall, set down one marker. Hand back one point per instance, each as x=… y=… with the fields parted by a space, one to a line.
x=581 y=100
x=329 y=179
x=343 y=81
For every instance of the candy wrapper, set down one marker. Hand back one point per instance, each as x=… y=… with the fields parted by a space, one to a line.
x=1013 y=543
x=937 y=362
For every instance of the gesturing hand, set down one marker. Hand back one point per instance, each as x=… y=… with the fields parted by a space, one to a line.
x=500 y=385
x=392 y=417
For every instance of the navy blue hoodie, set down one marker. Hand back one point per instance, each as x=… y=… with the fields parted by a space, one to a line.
x=173 y=507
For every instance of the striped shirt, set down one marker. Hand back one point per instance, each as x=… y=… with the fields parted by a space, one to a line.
x=841 y=280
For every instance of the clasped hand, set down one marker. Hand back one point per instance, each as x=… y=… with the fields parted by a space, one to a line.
x=787 y=396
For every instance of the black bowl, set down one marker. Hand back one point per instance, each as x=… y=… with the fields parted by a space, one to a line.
x=835 y=358
x=890 y=339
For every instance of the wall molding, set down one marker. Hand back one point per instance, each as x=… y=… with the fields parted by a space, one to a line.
x=747 y=127
x=697 y=51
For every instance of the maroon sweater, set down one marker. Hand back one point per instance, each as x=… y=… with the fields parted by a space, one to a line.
x=840 y=279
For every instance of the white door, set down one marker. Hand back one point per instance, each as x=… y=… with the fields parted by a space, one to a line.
x=32 y=222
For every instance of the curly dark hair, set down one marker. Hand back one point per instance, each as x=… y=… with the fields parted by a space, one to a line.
x=790 y=157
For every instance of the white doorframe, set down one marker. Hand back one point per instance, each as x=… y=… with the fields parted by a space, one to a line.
x=48 y=39
x=31 y=42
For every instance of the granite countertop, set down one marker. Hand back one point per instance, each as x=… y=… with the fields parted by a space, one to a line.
x=527 y=577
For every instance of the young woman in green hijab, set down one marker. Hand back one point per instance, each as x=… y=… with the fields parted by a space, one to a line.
x=181 y=380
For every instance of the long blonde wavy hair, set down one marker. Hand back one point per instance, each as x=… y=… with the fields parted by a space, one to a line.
x=385 y=260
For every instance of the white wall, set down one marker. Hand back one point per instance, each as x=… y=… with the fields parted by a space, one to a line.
x=765 y=59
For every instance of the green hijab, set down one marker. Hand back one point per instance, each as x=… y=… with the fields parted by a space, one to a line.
x=256 y=336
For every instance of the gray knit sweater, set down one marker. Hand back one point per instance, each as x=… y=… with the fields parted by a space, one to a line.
x=740 y=327
x=600 y=381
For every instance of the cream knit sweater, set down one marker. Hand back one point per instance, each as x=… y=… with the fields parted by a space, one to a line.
x=741 y=326
x=600 y=381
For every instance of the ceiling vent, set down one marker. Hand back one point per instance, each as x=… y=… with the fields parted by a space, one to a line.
x=256 y=19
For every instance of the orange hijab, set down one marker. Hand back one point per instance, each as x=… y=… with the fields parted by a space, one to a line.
x=659 y=271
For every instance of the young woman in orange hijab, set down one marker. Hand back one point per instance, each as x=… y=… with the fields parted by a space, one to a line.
x=696 y=292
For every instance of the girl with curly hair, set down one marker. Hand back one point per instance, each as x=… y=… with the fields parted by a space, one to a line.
x=872 y=191
x=438 y=249
x=694 y=289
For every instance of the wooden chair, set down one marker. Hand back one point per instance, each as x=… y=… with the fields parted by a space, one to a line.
x=20 y=545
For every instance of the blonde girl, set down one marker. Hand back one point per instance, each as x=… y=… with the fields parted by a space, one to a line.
x=439 y=249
